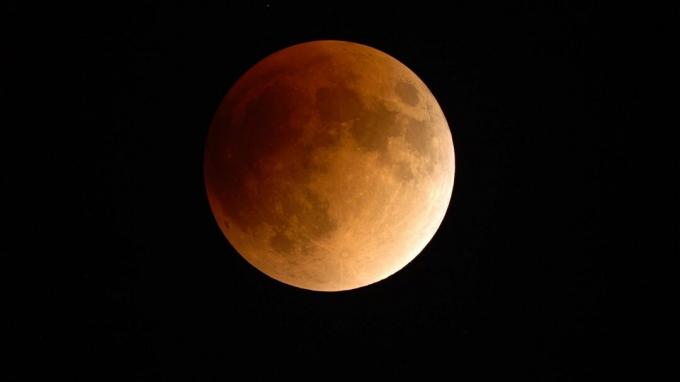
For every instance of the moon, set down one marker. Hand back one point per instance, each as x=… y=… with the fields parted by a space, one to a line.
x=329 y=165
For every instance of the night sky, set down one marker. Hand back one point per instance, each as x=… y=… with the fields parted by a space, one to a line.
x=514 y=283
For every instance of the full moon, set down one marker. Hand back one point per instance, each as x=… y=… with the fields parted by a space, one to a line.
x=329 y=165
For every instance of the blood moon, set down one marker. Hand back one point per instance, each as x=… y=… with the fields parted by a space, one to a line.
x=329 y=165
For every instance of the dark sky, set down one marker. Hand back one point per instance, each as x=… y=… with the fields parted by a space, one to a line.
x=515 y=282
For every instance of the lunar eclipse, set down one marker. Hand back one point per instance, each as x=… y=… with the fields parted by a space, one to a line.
x=329 y=165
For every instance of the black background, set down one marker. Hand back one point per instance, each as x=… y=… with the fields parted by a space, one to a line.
x=515 y=283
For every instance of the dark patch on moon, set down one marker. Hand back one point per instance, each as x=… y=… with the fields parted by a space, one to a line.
x=265 y=73
x=311 y=215
x=374 y=128
x=419 y=136
x=317 y=219
x=407 y=93
x=240 y=156
x=403 y=171
x=271 y=123
x=281 y=243
x=338 y=104
x=370 y=127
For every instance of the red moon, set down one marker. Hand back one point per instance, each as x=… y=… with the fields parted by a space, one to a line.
x=329 y=165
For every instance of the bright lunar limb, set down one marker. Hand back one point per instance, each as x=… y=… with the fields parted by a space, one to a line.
x=329 y=165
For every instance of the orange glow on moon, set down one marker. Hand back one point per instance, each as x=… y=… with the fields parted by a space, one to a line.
x=329 y=165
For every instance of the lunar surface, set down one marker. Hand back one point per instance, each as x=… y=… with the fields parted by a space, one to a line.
x=329 y=165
